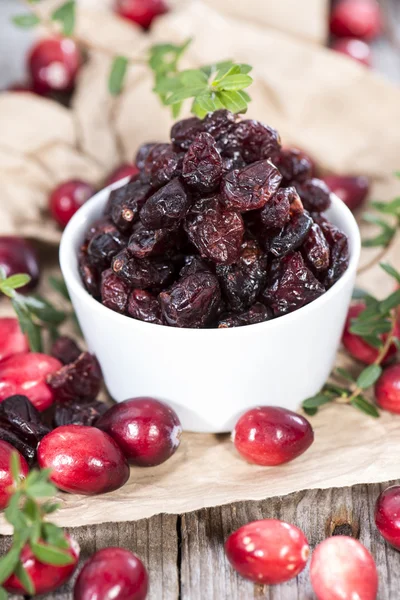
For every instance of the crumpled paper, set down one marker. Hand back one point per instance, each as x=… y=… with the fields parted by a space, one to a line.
x=335 y=109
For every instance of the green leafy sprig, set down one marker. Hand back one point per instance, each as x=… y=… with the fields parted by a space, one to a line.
x=27 y=513
x=64 y=16
x=376 y=324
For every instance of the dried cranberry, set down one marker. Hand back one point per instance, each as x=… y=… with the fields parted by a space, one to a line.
x=315 y=195
x=216 y=232
x=162 y=164
x=102 y=247
x=21 y=426
x=232 y=162
x=194 y=264
x=276 y=212
x=294 y=165
x=149 y=242
x=219 y=124
x=145 y=273
x=316 y=250
x=143 y=153
x=251 y=187
x=258 y=313
x=65 y=349
x=101 y=225
x=80 y=380
x=125 y=203
x=256 y=141
x=242 y=282
x=88 y=274
x=192 y=301
x=292 y=235
x=184 y=132
x=114 y=291
x=291 y=285
x=166 y=207
x=340 y=255
x=76 y=412
x=144 y=306
x=202 y=165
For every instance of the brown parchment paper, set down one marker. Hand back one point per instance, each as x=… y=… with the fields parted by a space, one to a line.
x=343 y=114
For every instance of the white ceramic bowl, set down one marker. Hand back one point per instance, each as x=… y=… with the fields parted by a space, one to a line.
x=211 y=376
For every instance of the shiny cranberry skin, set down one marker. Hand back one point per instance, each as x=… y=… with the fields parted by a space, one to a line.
x=387 y=515
x=269 y=435
x=53 y=64
x=122 y=172
x=387 y=389
x=25 y=374
x=147 y=431
x=268 y=551
x=342 y=569
x=6 y=480
x=353 y=190
x=141 y=12
x=17 y=255
x=112 y=573
x=67 y=198
x=356 y=18
x=45 y=578
x=356 y=346
x=12 y=340
x=84 y=460
x=355 y=49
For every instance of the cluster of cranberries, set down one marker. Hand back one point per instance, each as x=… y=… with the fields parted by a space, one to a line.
x=353 y=24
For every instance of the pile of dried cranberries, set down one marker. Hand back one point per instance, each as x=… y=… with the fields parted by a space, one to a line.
x=220 y=228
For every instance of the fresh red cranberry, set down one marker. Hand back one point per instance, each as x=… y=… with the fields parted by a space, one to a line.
x=355 y=49
x=45 y=577
x=67 y=198
x=342 y=569
x=84 y=460
x=352 y=190
x=12 y=340
x=268 y=551
x=147 y=431
x=6 y=480
x=53 y=65
x=387 y=389
x=141 y=12
x=358 y=347
x=17 y=255
x=269 y=435
x=356 y=18
x=25 y=374
x=122 y=172
x=387 y=515
x=112 y=573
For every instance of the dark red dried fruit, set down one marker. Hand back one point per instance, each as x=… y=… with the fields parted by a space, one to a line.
x=125 y=203
x=88 y=274
x=65 y=349
x=114 y=291
x=166 y=207
x=276 y=212
x=216 y=232
x=150 y=242
x=292 y=235
x=144 y=306
x=80 y=380
x=251 y=187
x=21 y=426
x=184 y=132
x=291 y=285
x=340 y=254
x=162 y=164
x=256 y=141
x=192 y=301
x=143 y=153
x=202 y=165
x=258 y=313
x=73 y=412
x=194 y=264
x=315 y=195
x=102 y=248
x=219 y=124
x=242 y=282
x=143 y=274
x=294 y=165
x=315 y=249
x=101 y=225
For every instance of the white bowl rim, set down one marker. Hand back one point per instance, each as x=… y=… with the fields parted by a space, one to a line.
x=71 y=275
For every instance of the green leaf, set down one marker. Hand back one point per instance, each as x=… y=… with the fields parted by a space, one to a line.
x=3 y=594
x=192 y=78
x=335 y=390
x=28 y=327
x=388 y=208
x=58 y=284
x=316 y=401
x=25 y=579
x=65 y=14
x=41 y=489
x=117 y=75
x=44 y=310
x=50 y=507
x=209 y=102
x=15 y=467
x=233 y=83
x=390 y=302
x=373 y=341
x=369 y=376
x=8 y=563
x=366 y=407
x=51 y=555
x=14 y=515
x=310 y=411
x=184 y=93
x=390 y=271
x=383 y=238
x=31 y=510
x=26 y=21
x=368 y=328
x=345 y=374
x=54 y=536
x=233 y=101
x=360 y=294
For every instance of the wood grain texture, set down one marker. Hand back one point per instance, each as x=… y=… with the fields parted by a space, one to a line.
x=185 y=554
